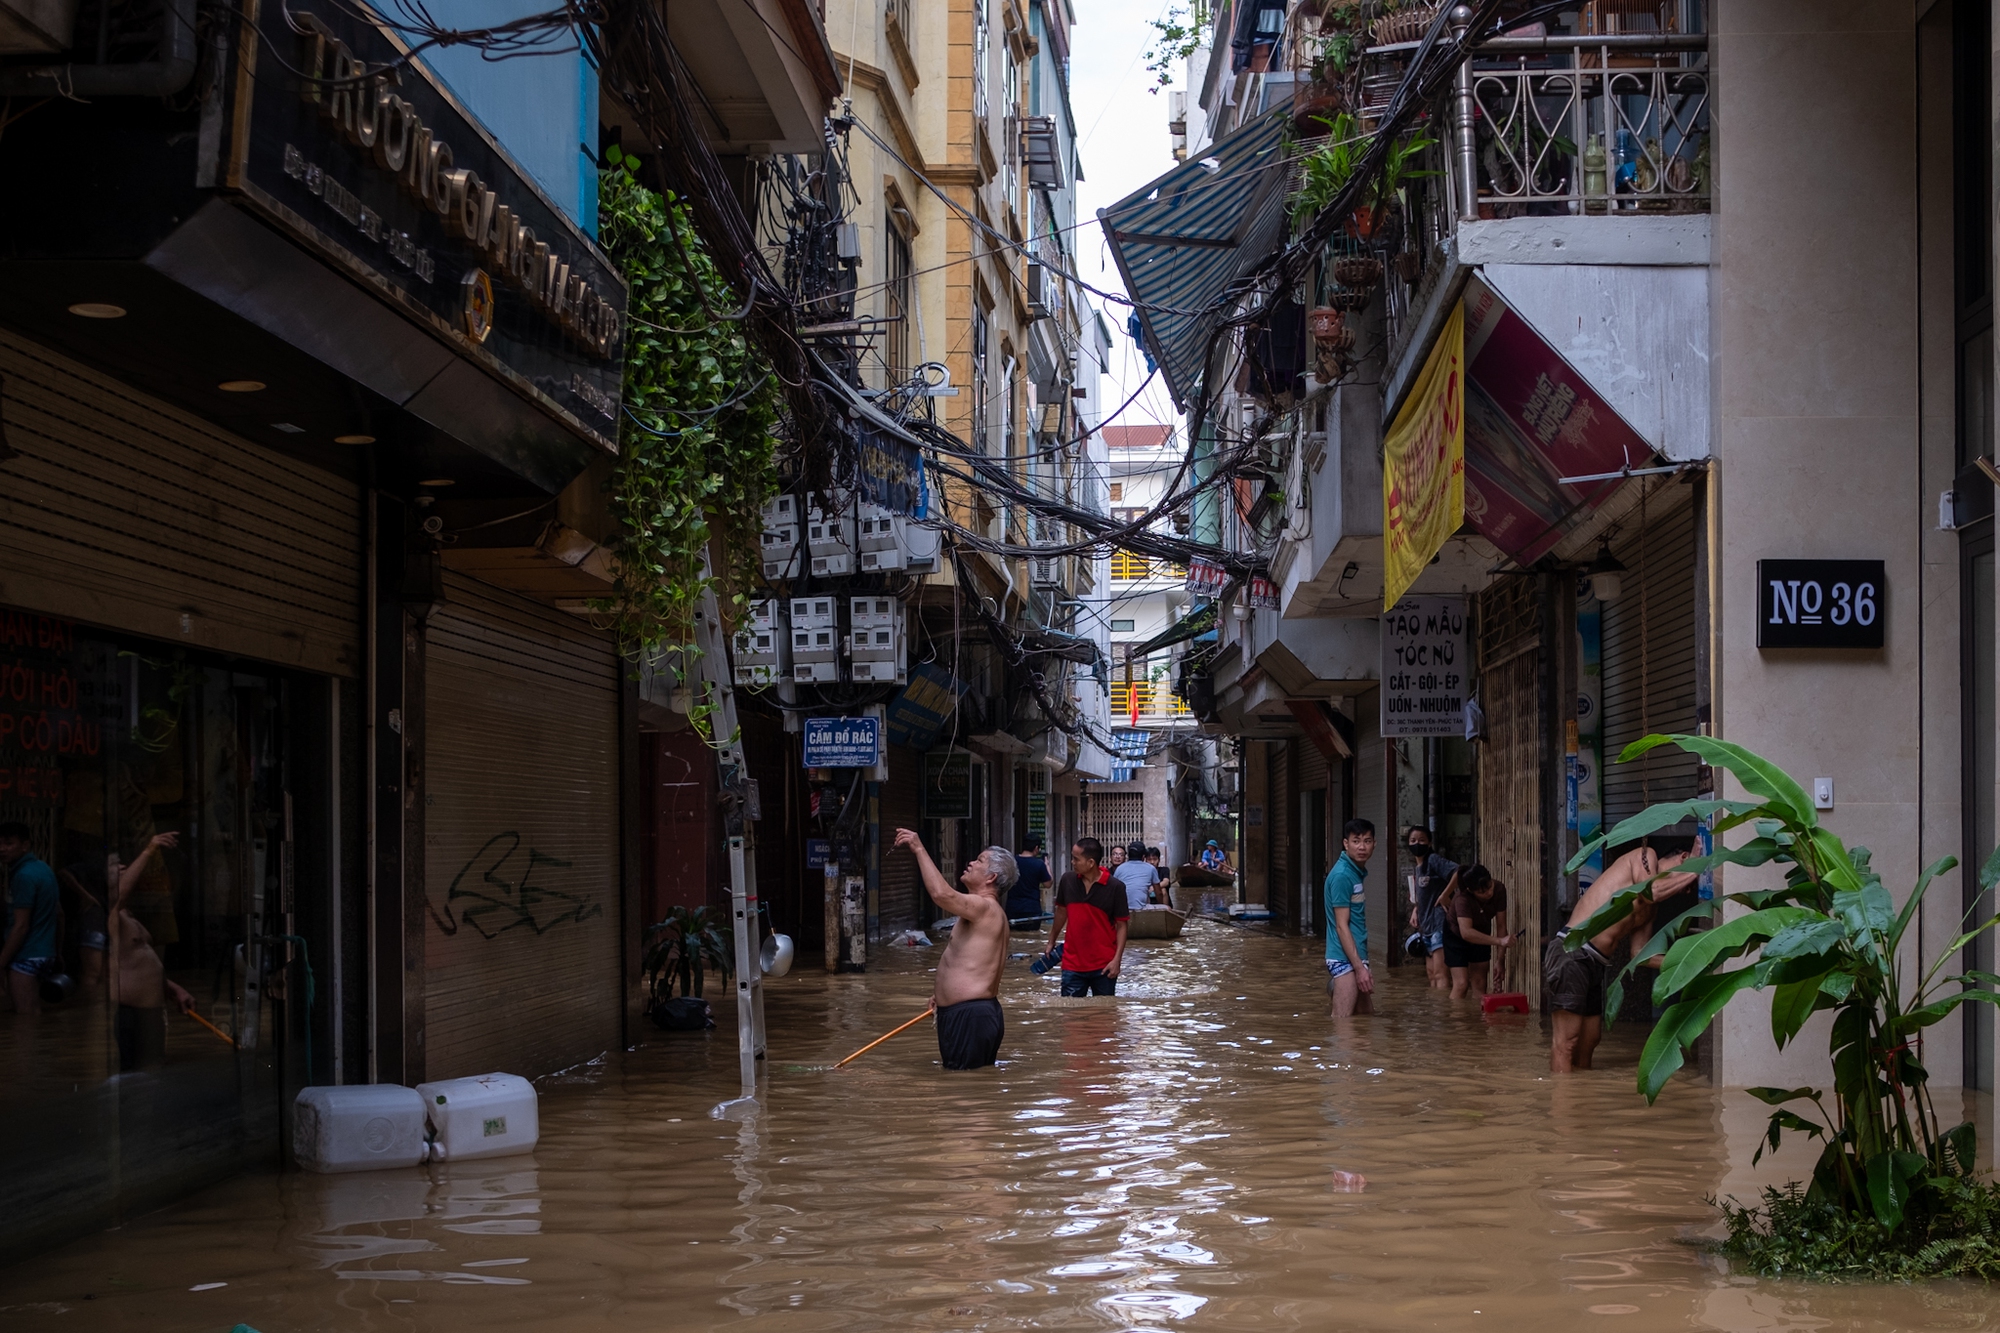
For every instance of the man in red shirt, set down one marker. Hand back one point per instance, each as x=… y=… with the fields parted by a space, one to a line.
x=1091 y=907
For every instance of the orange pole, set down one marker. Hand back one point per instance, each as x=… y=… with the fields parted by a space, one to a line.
x=885 y=1036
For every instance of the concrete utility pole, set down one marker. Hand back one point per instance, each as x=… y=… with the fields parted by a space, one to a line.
x=739 y=797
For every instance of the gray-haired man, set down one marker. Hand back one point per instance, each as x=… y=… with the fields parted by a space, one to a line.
x=967 y=998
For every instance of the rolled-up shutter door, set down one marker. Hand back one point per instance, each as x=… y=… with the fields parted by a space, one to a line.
x=1281 y=820
x=521 y=836
x=902 y=798
x=1649 y=664
x=124 y=512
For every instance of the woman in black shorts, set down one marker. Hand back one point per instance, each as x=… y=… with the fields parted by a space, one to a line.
x=1475 y=909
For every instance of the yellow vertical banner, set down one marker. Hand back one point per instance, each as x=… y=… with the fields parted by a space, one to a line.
x=1423 y=465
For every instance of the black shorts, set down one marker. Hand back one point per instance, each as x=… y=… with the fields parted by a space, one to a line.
x=1573 y=979
x=1075 y=985
x=142 y=1038
x=1457 y=953
x=969 y=1033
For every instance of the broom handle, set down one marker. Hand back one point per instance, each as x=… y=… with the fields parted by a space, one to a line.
x=196 y=1016
x=885 y=1036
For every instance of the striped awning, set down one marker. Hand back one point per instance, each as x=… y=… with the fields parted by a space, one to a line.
x=1182 y=241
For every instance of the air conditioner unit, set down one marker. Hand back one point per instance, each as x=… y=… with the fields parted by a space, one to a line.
x=1046 y=571
x=1038 y=291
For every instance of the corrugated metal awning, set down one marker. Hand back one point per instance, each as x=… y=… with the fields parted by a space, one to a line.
x=1184 y=240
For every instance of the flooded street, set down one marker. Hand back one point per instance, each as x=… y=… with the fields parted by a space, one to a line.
x=1168 y=1159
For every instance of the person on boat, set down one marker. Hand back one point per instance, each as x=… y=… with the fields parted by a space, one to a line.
x=1137 y=876
x=1214 y=859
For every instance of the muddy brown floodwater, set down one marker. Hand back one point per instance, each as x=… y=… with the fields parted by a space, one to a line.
x=1169 y=1159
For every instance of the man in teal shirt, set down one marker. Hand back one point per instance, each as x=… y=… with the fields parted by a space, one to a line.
x=1349 y=981
x=33 y=910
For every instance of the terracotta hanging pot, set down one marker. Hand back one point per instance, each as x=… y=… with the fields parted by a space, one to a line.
x=1327 y=323
x=1357 y=271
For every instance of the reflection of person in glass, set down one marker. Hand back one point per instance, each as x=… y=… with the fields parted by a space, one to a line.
x=139 y=984
x=34 y=911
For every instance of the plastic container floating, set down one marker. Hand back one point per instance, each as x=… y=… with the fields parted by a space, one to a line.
x=1504 y=1002
x=358 y=1127
x=489 y=1115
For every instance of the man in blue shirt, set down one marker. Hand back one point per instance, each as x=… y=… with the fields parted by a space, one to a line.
x=1024 y=900
x=1349 y=981
x=33 y=907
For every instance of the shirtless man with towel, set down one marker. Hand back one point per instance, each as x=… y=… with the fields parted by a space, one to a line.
x=1573 y=980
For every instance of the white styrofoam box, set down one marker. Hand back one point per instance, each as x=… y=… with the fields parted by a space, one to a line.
x=358 y=1127
x=489 y=1115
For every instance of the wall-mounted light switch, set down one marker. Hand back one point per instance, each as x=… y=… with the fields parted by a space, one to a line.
x=1822 y=793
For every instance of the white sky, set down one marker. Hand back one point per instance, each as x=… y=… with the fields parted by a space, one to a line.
x=1123 y=141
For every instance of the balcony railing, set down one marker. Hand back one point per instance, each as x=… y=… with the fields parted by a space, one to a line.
x=1556 y=126
x=1153 y=702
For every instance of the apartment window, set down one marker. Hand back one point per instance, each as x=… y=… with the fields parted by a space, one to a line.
x=896 y=269
x=1127 y=567
x=980 y=441
x=1123 y=626
x=981 y=27
x=1117 y=491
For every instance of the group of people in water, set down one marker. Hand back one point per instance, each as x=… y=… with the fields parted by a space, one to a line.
x=1457 y=924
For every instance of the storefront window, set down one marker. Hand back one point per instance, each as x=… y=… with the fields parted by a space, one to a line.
x=144 y=803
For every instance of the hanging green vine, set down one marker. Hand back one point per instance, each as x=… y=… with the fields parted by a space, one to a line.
x=697 y=456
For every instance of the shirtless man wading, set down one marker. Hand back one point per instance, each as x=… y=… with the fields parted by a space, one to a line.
x=1573 y=980
x=967 y=999
x=139 y=984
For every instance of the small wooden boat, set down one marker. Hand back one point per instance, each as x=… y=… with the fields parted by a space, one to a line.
x=1194 y=876
x=1154 y=923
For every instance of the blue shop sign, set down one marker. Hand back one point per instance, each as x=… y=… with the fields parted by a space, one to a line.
x=843 y=742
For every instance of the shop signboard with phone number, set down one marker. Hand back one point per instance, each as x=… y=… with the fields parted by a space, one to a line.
x=1821 y=603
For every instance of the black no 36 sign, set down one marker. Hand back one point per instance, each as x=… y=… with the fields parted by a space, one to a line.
x=1820 y=603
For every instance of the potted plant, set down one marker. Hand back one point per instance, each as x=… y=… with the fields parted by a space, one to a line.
x=680 y=952
x=1892 y=1183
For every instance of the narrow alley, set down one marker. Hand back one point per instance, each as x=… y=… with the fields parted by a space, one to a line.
x=1169 y=1158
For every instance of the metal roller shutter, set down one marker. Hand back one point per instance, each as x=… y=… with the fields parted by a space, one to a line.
x=521 y=845
x=1509 y=827
x=902 y=807
x=1280 y=821
x=1649 y=662
x=124 y=512
x=1117 y=818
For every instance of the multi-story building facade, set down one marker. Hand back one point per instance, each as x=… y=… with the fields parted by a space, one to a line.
x=1645 y=272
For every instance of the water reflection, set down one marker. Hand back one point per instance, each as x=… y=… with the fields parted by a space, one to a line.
x=1168 y=1159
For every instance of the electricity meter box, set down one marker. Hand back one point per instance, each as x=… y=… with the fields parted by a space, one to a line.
x=875 y=640
x=815 y=635
x=490 y=1115
x=780 y=540
x=761 y=643
x=358 y=1127
x=881 y=539
x=830 y=537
